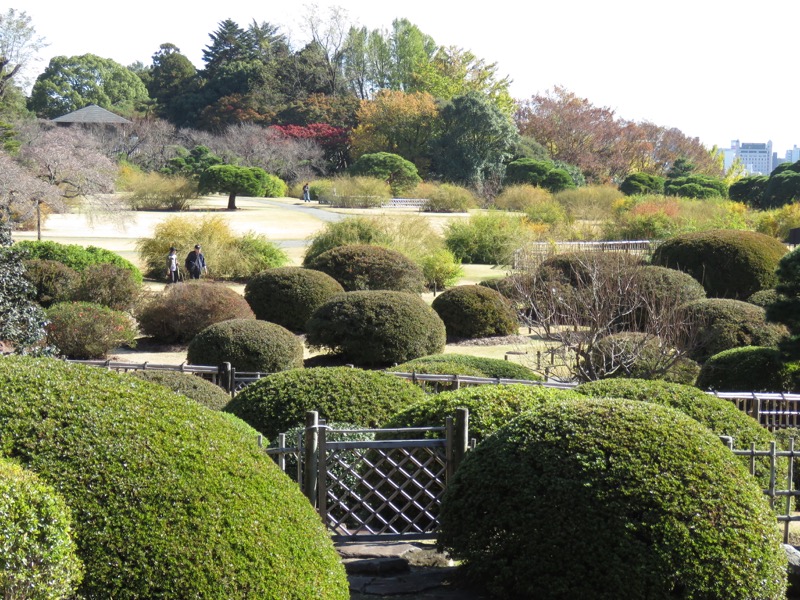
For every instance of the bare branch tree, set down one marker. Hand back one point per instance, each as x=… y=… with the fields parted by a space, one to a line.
x=21 y=194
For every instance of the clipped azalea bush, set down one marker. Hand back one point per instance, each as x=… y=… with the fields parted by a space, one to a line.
x=38 y=553
x=376 y=327
x=289 y=295
x=247 y=344
x=365 y=267
x=490 y=407
x=750 y=368
x=729 y=263
x=723 y=324
x=198 y=389
x=52 y=280
x=485 y=367
x=719 y=415
x=658 y=289
x=670 y=511
x=75 y=256
x=764 y=298
x=109 y=285
x=276 y=403
x=84 y=330
x=475 y=311
x=169 y=499
x=182 y=311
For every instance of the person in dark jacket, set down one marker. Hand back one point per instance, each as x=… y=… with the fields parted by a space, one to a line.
x=195 y=263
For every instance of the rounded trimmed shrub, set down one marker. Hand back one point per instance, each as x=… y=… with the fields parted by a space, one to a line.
x=75 y=256
x=247 y=344
x=108 y=285
x=475 y=311
x=182 y=311
x=729 y=264
x=751 y=369
x=364 y=267
x=724 y=324
x=352 y=230
x=671 y=512
x=83 y=330
x=52 y=280
x=38 y=553
x=289 y=295
x=485 y=367
x=275 y=404
x=376 y=327
x=192 y=386
x=490 y=407
x=658 y=289
x=764 y=298
x=169 y=499
x=636 y=355
x=576 y=268
x=719 y=415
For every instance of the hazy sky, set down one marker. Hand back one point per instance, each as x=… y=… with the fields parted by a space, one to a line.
x=716 y=70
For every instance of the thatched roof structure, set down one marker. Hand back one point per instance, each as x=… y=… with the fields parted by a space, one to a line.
x=91 y=114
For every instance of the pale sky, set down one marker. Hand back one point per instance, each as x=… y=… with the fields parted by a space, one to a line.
x=717 y=70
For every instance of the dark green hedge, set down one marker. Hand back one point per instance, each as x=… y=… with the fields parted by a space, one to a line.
x=747 y=369
x=75 y=256
x=475 y=311
x=376 y=327
x=486 y=367
x=611 y=499
x=490 y=407
x=192 y=386
x=38 y=553
x=247 y=344
x=364 y=267
x=729 y=264
x=279 y=402
x=52 y=280
x=289 y=295
x=169 y=499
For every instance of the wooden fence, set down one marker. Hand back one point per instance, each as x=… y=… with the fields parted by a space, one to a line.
x=529 y=256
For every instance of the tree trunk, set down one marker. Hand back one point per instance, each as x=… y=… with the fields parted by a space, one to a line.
x=232 y=201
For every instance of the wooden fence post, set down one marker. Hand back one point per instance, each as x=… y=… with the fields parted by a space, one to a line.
x=461 y=438
x=448 y=449
x=311 y=454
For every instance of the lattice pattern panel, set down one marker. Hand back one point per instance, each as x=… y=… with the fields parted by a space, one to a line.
x=383 y=491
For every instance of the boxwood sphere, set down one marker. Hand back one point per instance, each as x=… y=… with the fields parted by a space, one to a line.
x=169 y=499
x=274 y=404
x=38 y=553
x=729 y=264
x=611 y=499
x=365 y=267
x=474 y=311
x=751 y=368
x=289 y=295
x=192 y=386
x=376 y=327
x=249 y=345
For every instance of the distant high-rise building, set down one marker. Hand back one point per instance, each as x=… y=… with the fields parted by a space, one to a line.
x=758 y=159
x=793 y=155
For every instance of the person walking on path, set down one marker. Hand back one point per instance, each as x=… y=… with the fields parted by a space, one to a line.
x=172 y=266
x=306 y=193
x=195 y=263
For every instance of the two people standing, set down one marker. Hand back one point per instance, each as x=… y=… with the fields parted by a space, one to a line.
x=195 y=264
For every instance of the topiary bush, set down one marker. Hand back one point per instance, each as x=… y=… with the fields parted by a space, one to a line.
x=751 y=368
x=247 y=344
x=729 y=264
x=39 y=559
x=107 y=285
x=764 y=298
x=490 y=407
x=659 y=289
x=475 y=311
x=169 y=499
x=84 y=330
x=77 y=257
x=723 y=324
x=353 y=230
x=672 y=513
x=399 y=173
x=289 y=295
x=182 y=311
x=192 y=386
x=636 y=355
x=274 y=404
x=487 y=367
x=376 y=327
x=364 y=267
x=719 y=415
x=52 y=280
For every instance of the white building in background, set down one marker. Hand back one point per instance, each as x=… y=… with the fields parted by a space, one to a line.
x=757 y=158
x=792 y=155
